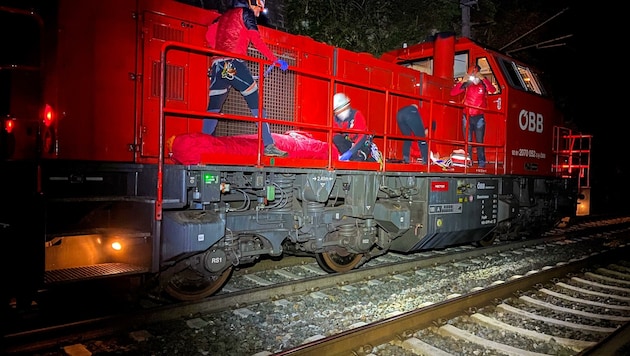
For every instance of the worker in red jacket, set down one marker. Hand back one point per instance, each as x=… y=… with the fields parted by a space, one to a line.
x=351 y=146
x=475 y=88
x=232 y=32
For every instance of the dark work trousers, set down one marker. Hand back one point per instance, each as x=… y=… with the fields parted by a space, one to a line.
x=477 y=127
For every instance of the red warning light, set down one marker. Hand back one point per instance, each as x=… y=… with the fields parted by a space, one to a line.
x=9 y=125
x=48 y=115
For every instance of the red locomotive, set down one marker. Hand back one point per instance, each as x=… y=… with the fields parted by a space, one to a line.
x=125 y=184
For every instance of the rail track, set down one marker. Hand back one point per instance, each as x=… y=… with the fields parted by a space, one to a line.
x=298 y=281
x=552 y=311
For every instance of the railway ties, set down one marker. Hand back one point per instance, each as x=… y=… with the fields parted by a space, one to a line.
x=547 y=312
x=282 y=273
x=314 y=269
x=271 y=276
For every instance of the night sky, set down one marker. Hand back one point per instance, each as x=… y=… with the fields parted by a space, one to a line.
x=587 y=76
x=598 y=69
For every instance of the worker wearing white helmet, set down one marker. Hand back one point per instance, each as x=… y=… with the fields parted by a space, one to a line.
x=351 y=146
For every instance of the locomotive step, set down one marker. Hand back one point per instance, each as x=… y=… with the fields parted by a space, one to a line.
x=102 y=270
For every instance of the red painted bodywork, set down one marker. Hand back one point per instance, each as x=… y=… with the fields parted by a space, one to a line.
x=523 y=144
x=106 y=90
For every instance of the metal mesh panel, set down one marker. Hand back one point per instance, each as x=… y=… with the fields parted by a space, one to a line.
x=278 y=98
x=90 y=272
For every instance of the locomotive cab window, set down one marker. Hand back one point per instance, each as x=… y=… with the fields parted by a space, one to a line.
x=522 y=77
x=530 y=80
x=460 y=68
x=486 y=71
x=424 y=65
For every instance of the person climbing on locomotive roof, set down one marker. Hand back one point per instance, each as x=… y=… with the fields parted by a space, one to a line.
x=351 y=146
x=475 y=88
x=410 y=121
x=232 y=32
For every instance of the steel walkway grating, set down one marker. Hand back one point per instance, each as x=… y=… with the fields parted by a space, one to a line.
x=91 y=272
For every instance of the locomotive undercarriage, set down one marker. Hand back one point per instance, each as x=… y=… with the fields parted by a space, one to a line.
x=215 y=220
x=305 y=214
x=540 y=203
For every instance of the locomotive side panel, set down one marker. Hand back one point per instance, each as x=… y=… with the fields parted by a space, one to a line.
x=96 y=56
x=526 y=124
x=185 y=76
x=530 y=123
x=459 y=210
x=313 y=94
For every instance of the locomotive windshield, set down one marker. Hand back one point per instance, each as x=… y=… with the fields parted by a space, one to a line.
x=522 y=77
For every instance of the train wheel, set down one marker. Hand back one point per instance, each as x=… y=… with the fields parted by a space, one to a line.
x=331 y=261
x=189 y=284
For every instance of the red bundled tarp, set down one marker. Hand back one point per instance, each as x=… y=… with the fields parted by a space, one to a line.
x=189 y=148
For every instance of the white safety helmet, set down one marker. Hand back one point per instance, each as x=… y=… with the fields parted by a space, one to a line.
x=340 y=102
